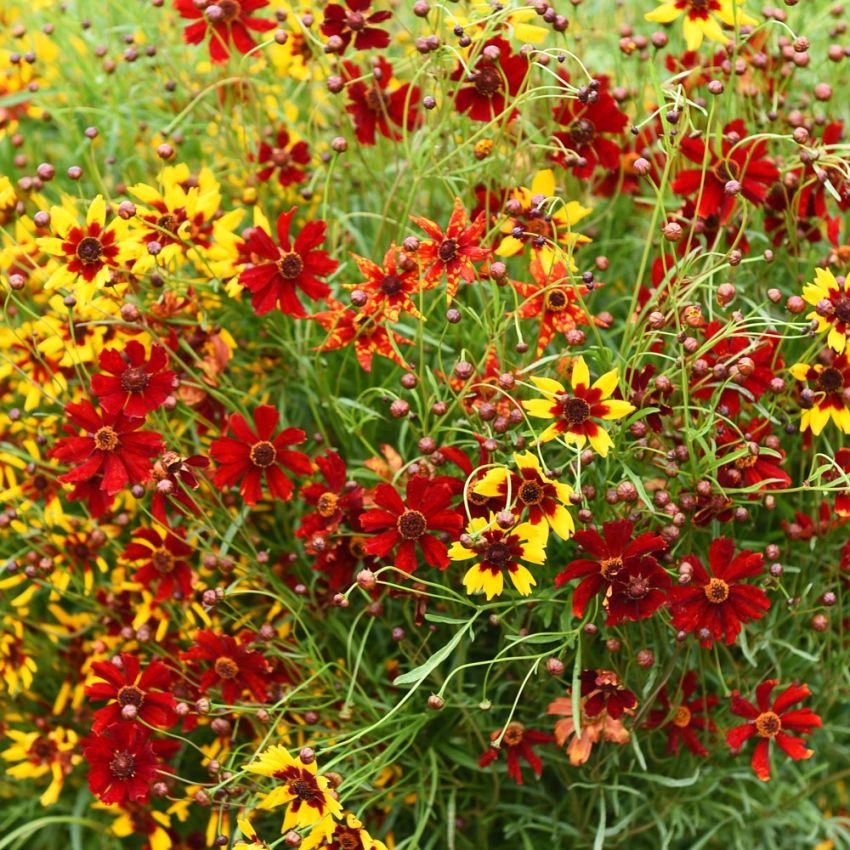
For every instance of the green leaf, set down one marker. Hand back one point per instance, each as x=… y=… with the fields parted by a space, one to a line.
x=417 y=674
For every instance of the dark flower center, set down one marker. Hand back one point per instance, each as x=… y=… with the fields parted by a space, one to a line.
x=447 y=250
x=327 y=504
x=530 y=493
x=582 y=132
x=411 y=525
x=263 y=454
x=375 y=99
x=226 y=668
x=43 y=749
x=682 y=717
x=346 y=839
x=89 y=251
x=163 y=561
x=291 y=265
x=842 y=309
x=135 y=379
x=746 y=461
x=230 y=11
x=726 y=170
x=123 y=765
x=307 y=789
x=716 y=591
x=576 y=411
x=131 y=695
x=106 y=439
x=487 y=81
x=638 y=587
x=281 y=157
x=498 y=554
x=830 y=380
x=556 y=300
x=768 y=724
x=391 y=284
x=514 y=733
x=610 y=567
x=167 y=222
x=356 y=20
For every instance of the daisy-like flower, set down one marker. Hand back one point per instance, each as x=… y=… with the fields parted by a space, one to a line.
x=499 y=551
x=453 y=252
x=287 y=160
x=703 y=18
x=612 y=554
x=412 y=524
x=46 y=752
x=757 y=467
x=235 y=667
x=175 y=475
x=351 y=22
x=336 y=499
x=637 y=592
x=685 y=721
x=530 y=489
x=389 y=288
x=490 y=87
x=133 y=693
x=277 y=273
x=307 y=793
x=579 y=744
x=123 y=762
x=575 y=414
x=112 y=446
x=132 y=381
x=250 y=457
x=225 y=21
x=826 y=396
x=162 y=555
x=715 y=605
x=773 y=721
x=93 y=251
x=831 y=301
x=602 y=691
x=519 y=743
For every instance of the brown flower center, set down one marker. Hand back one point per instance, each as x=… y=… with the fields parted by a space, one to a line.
x=726 y=170
x=447 y=250
x=307 y=789
x=356 y=20
x=514 y=733
x=716 y=591
x=610 y=567
x=391 y=284
x=556 y=300
x=163 y=561
x=576 y=411
x=135 y=379
x=487 y=81
x=131 y=695
x=375 y=99
x=106 y=439
x=230 y=11
x=842 y=309
x=583 y=132
x=290 y=265
x=498 y=554
x=281 y=157
x=638 y=587
x=327 y=504
x=682 y=717
x=746 y=461
x=411 y=525
x=123 y=765
x=263 y=454
x=167 y=222
x=768 y=724
x=226 y=668
x=530 y=493
x=831 y=380
x=89 y=250
x=346 y=839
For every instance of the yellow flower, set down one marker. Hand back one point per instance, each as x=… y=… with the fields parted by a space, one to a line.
x=307 y=794
x=500 y=550
x=344 y=835
x=834 y=311
x=530 y=489
x=829 y=384
x=575 y=413
x=40 y=754
x=16 y=667
x=703 y=18
x=250 y=833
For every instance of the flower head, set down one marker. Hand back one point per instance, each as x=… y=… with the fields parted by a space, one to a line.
x=161 y=555
x=283 y=157
x=518 y=742
x=831 y=301
x=686 y=720
x=827 y=394
x=350 y=22
x=703 y=18
x=223 y=21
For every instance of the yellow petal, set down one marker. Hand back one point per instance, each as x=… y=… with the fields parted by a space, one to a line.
x=562 y=522
x=460 y=553
x=543 y=183
x=490 y=484
x=836 y=340
x=601 y=442
x=553 y=431
x=607 y=383
x=664 y=14
x=617 y=408
x=693 y=34
x=61 y=220
x=522 y=580
x=547 y=385
x=813 y=293
x=818 y=417
x=539 y=408
x=581 y=374
x=800 y=371
x=573 y=213
x=527 y=460
x=842 y=419
x=714 y=31
x=509 y=247
x=97 y=212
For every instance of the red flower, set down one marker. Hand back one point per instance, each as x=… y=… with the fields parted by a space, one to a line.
x=145 y=697
x=112 y=447
x=250 y=456
x=174 y=476
x=519 y=743
x=235 y=667
x=604 y=692
x=684 y=720
x=755 y=468
x=229 y=20
x=494 y=82
x=133 y=382
x=164 y=562
x=452 y=252
x=612 y=552
x=336 y=500
x=714 y=606
x=350 y=23
x=283 y=159
x=637 y=591
x=411 y=524
x=586 y=118
x=122 y=763
x=373 y=107
x=773 y=722
x=739 y=162
x=389 y=289
x=294 y=265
